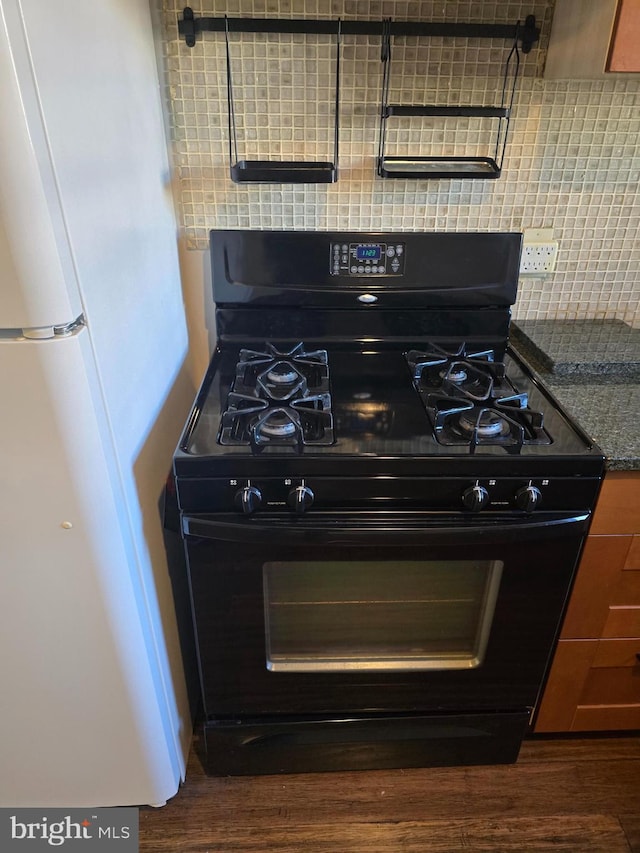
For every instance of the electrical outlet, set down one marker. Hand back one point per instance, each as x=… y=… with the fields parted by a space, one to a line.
x=539 y=252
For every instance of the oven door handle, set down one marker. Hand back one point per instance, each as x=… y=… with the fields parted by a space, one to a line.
x=384 y=528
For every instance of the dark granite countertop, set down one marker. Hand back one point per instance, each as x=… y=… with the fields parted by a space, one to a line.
x=586 y=370
x=580 y=347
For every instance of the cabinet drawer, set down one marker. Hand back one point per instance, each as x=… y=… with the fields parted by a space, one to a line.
x=622 y=622
x=633 y=557
x=606 y=718
x=571 y=665
x=618 y=509
x=627 y=591
x=615 y=653
x=593 y=685
x=617 y=685
x=603 y=561
x=610 y=697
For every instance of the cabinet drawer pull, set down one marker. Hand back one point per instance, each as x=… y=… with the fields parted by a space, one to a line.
x=638 y=656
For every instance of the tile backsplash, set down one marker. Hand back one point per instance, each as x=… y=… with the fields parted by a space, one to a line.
x=572 y=160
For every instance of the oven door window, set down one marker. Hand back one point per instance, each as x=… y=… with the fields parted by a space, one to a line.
x=408 y=615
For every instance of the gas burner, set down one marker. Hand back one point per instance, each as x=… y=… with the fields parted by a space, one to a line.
x=303 y=422
x=283 y=375
x=464 y=378
x=469 y=373
x=253 y=422
x=505 y=421
x=487 y=424
x=277 y=424
x=279 y=399
x=455 y=373
x=281 y=381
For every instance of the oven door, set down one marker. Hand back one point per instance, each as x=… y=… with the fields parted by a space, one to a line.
x=377 y=612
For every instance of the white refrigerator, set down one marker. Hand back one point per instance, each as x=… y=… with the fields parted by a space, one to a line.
x=93 y=393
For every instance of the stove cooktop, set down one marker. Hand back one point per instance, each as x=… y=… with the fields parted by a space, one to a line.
x=429 y=400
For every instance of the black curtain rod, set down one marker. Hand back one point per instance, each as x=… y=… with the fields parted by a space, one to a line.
x=189 y=27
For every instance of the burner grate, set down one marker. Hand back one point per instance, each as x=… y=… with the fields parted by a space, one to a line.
x=470 y=400
x=274 y=368
x=279 y=399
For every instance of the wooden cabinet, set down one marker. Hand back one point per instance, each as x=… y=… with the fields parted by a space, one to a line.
x=624 y=49
x=594 y=681
x=591 y=40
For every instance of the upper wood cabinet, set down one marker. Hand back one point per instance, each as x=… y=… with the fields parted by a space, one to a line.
x=624 y=52
x=593 y=39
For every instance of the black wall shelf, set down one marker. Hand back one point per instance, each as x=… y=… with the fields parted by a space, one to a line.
x=459 y=111
x=419 y=167
x=282 y=171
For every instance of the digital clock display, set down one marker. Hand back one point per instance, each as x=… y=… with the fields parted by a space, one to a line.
x=368 y=253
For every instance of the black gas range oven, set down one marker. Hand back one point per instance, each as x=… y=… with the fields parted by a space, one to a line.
x=382 y=509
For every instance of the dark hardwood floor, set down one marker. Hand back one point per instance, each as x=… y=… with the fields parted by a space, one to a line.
x=577 y=795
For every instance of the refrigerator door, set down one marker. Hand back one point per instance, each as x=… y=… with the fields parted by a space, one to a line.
x=32 y=230
x=95 y=72
x=82 y=707
x=93 y=702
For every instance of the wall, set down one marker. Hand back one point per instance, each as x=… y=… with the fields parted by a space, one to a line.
x=572 y=162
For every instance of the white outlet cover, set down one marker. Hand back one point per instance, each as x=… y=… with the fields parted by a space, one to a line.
x=538 y=235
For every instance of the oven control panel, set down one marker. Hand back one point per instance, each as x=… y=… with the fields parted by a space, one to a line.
x=367 y=259
x=300 y=495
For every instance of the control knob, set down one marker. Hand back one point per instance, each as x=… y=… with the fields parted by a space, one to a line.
x=528 y=498
x=475 y=498
x=300 y=499
x=248 y=499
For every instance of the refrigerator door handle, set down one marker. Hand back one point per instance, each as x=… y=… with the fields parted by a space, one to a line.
x=38 y=333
